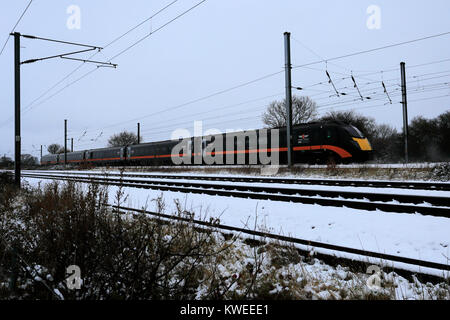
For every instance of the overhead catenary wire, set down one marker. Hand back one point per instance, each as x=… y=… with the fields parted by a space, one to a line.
x=366 y=91
x=322 y=58
x=372 y=81
x=262 y=78
x=341 y=102
x=133 y=45
x=235 y=120
x=93 y=70
x=154 y=131
x=15 y=26
x=156 y=30
x=123 y=51
x=362 y=53
x=106 y=46
x=215 y=109
x=142 y=40
x=196 y=100
x=380 y=96
x=374 y=49
x=388 y=106
x=354 y=108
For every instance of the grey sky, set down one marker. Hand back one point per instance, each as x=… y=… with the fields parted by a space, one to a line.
x=218 y=45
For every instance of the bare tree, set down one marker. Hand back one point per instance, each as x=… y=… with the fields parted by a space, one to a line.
x=28 y=160
x=429 y=138
x=6 y=162
x=304 y=109
x=123 y=139
x=54 y=148
x=61 y=150
x=387 y=143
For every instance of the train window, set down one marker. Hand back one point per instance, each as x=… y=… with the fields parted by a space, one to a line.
x=330 y=134
x=354 y=132
x=315 y=136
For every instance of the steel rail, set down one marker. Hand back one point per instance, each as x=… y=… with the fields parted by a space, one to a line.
x=433 y=186
x=319 y=197
x=264 y=235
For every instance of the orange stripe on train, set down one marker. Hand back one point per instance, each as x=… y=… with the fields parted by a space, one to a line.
x=341 y=152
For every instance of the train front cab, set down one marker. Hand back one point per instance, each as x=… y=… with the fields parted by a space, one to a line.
x=325 y=143
x=360 y=145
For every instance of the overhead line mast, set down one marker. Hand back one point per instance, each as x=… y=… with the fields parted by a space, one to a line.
x=288 y=68
x=17 y=64
x=405 y=109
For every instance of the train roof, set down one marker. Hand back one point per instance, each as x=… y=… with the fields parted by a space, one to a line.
x=102 y=149
x=50 y=155
x=152 y=143
x=322 y=123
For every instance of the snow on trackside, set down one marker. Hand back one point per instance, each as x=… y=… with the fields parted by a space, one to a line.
x=413 y=236
x=88 y=174
x=311 y=173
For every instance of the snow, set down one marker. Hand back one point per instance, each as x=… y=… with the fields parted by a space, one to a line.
x=413 y=236
x=87 y=174
x=219 y=173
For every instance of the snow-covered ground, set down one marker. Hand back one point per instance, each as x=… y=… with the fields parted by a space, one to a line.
x=413 y=236
x=222 y=172
x=87 y=174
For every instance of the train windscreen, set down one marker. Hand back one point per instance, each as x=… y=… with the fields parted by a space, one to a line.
x=354 y=132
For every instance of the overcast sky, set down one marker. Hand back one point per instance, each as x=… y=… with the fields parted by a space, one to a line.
x=217 y=46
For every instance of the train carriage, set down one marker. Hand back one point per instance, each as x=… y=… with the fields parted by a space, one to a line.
x=105 y=156
x=49 y=159
x=74 y=157
x=154 y=153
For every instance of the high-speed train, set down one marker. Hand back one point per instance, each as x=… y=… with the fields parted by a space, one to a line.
x=316 y=142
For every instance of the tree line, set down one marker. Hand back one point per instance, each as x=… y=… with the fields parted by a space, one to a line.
x=27 y=160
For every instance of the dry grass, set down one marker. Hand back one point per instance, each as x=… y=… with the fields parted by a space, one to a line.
x=132 y=256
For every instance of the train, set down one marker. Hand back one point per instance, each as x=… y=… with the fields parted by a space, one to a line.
x=315 y=142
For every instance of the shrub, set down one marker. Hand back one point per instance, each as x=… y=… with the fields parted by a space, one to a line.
x=121 y=256
x=441 y=172
x=135 y=256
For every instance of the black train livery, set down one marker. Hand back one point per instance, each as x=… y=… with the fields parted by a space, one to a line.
x=316 y=142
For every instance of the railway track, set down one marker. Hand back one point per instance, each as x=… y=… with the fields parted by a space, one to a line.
x=398 y=203
x=387 y=260
x=434 y=186
x=325 y=251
